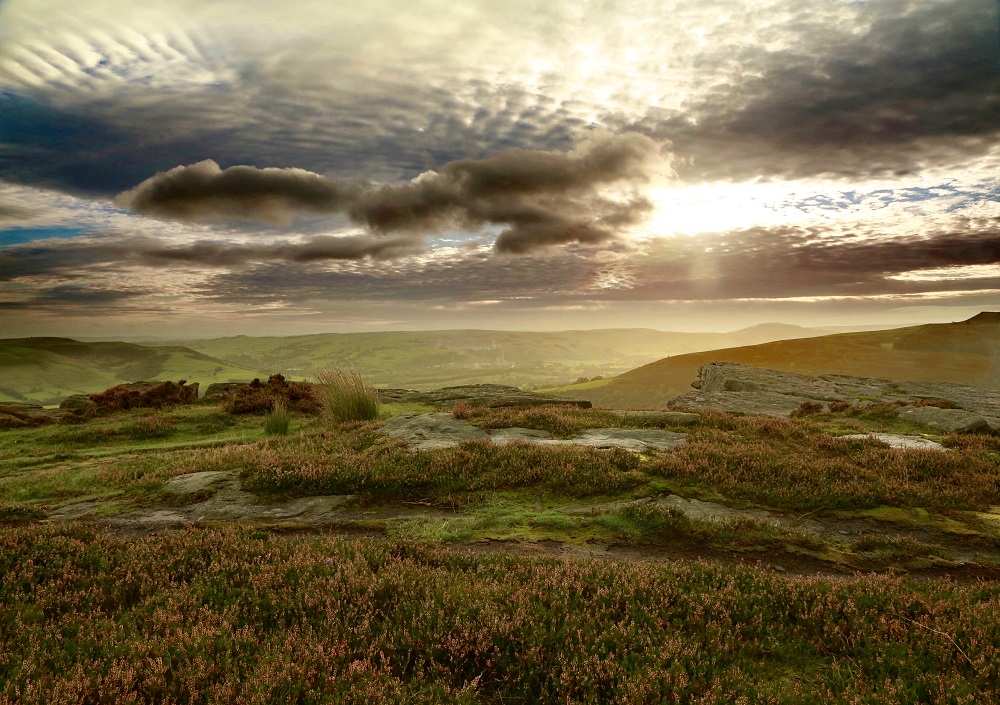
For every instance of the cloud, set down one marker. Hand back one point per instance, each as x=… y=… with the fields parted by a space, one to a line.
x=539 y=197
x=216 y=254
x=15 y=215
x=203 y=192
x=786 y=262
x=901 y=87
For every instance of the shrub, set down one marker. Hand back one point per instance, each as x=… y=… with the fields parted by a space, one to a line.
x=261 y=397
x=836 y=406
x=126 y=396
x=277 y=421
x=808 y=408
x=345 y=396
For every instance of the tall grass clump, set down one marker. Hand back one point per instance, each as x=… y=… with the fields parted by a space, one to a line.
x=345 y=396
x=277 y=421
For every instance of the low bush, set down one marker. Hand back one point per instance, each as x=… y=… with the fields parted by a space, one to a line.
x=559 y=420
x=152 y=397
x=261 y=397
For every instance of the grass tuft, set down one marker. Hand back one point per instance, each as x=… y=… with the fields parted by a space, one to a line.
x=278 y=420
x=346 y=396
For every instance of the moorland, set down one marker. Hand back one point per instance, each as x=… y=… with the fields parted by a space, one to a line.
x=238 y=551
x=967 y=352
x=46 y=370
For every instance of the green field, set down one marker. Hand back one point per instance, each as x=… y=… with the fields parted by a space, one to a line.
x=429 y=359
x=47 y=370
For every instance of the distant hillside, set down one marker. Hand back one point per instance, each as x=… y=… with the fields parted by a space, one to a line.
x=429 y=359
x=965 y=353
x=47 y=370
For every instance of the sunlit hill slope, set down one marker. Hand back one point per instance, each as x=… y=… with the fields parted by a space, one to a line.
x=966 y=353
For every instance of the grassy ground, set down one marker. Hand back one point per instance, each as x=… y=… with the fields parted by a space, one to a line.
x=86 y=615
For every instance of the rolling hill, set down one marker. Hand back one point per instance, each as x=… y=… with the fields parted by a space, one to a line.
x=47 y=370
x=966 y=353
x=430 y=359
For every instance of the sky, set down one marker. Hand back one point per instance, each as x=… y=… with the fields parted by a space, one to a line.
x=183 y=168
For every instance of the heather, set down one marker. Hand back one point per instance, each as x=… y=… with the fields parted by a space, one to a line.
x=355 y=459
x=232 y=616
x=790 y=465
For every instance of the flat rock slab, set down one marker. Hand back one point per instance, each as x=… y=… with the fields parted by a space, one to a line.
x=901 y=442
x=199 y=481
x=502 y=436
x=639 y=440
x=947 y=420
x=72 y=512
x=442 y=430
x=432 y=431
x=756 y=403
x=487 y=395
x=657 y=418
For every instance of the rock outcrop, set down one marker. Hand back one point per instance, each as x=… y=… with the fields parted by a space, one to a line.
x=30 y=414
x=79 y=403
x=442 y=430
x=947 y=407
x=488 y=395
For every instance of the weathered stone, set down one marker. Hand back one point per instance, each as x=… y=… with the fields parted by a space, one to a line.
x=199 y=481
x=486 y=395
x=756 y=403
x=220 y=391
x=33 y=413
x=20 y=410
x=73 y=511
x=442 y=430
x=947 y=420
x=79 y=403
x=432 y=431
x=658 y=418
x=639 y=440
x=900 y=441
x=728 y=386
x=731 y=377
x=502 y=436
x=9 y=421
x=231 y=503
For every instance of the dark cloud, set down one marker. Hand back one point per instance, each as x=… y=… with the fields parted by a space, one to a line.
x=26 y=261
x=204 y=191
x=75 y=259
x=539 y=197
x=915 y=84
x=216 y=254
x=85 y=300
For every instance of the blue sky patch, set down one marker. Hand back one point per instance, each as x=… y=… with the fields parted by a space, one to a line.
x=19 y=236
